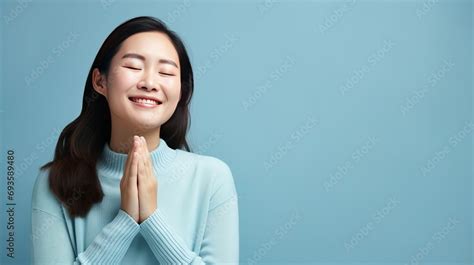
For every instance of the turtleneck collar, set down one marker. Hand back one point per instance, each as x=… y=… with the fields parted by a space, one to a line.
x=113 y=163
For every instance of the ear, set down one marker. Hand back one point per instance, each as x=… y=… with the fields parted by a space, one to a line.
x=99 y=83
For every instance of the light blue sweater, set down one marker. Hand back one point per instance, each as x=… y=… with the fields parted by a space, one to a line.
x=196 y=221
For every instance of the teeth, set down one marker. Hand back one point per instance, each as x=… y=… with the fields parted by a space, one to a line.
x=145 y=101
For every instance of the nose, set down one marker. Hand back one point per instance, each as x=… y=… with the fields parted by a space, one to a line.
x=147 y=82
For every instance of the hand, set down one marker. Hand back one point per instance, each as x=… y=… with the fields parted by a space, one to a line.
x=147 y=182
x=128 y=184
x=138 y=186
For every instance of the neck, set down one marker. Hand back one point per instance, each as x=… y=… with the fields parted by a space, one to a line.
x=112 y=164
x=121 y=138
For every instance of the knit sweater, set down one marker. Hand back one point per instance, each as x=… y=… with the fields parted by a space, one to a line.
x=196 y=220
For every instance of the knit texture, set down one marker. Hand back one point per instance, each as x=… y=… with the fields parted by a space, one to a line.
x=196 y=221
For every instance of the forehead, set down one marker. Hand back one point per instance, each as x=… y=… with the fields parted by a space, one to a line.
x=152 y=45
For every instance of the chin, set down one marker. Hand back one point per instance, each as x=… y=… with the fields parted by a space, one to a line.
x=147 y=125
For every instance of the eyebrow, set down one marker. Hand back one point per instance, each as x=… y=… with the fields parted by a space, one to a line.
x=141 y=57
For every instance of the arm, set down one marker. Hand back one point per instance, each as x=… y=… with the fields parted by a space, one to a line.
x=220 y=243
x=50 y=239
x=51 y=242
x=112 y=243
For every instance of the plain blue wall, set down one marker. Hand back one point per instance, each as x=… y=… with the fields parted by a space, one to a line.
x=347 y=125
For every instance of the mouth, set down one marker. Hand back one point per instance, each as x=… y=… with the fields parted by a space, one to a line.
x=145 y=102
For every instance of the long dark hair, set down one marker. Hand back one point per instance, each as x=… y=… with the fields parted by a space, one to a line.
x=73 y=169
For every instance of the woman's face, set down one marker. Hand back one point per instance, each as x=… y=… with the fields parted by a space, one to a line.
x=143 y=84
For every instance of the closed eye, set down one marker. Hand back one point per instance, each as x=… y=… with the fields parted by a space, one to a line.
x=133 y=68
x=166 y=74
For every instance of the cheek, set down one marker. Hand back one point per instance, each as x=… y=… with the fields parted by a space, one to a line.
x=118 y=83
x=123 y=79
x=173 y=89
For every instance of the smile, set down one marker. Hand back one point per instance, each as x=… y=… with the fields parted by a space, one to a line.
x=143 y=102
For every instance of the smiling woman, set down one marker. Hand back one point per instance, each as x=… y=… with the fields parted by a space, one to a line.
x=124 y=186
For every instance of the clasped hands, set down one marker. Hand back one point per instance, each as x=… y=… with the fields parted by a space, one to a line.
x=138 y=186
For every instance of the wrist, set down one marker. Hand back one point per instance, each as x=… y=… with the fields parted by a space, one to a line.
x=145 y=215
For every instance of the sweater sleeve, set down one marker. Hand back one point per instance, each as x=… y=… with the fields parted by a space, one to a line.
x=220 y=243
x=53 y=244
x=112 y=243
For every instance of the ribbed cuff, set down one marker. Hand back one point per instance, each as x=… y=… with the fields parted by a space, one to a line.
x=168 y=247
x=110 y=246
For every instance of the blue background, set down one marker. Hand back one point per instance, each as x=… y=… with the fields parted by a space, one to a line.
x=347 y=125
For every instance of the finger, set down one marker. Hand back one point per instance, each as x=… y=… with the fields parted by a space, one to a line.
x=129 y=157
x=147 y=159
x=134 y=169
x=144 y=157
x=141 y=169
x=143 y=144
x=145 y=151
x=140 y=145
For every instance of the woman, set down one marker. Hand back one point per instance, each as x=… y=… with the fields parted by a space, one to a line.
x=120 y=190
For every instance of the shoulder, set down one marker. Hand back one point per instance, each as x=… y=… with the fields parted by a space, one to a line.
x=215 y=172
x=213 y=167
x=204 y=162
x=42 y=198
